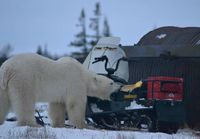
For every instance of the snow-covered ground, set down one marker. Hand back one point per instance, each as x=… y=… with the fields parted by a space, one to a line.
x=9 y=130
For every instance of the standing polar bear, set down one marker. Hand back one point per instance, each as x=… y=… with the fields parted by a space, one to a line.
x=65 y=84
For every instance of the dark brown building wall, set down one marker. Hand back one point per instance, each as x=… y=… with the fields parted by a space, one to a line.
x=187 y=68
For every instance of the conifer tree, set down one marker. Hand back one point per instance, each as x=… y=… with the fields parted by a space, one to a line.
x=5 y=53
x=39 y=50
x=81 y=38
x=95 y=24
x=106 y=28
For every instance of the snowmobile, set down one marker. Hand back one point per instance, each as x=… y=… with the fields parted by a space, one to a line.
x=140 y=106
x=153 y=104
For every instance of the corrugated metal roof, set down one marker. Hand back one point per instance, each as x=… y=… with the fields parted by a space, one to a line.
x=188 y=36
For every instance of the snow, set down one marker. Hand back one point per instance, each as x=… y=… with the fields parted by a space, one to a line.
x=10 y=130
x=161 y=36
x=134 y=105
x=42 y=108
x=95 y=108
x=11 y=115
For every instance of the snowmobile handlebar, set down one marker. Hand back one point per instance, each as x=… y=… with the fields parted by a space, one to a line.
x=105 y=58
x=102 y=58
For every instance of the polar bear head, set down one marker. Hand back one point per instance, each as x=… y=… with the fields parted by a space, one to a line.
x=102 y=87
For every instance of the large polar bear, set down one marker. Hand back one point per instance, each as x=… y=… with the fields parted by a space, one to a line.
x=29 y=78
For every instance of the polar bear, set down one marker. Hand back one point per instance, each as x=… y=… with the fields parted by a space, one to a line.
x=26 y=79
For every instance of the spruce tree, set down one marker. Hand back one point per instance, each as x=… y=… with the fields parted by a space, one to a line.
x=39 y=50
x=81 y=38
x=84 y=40
x=95 y=24
x=106 y=28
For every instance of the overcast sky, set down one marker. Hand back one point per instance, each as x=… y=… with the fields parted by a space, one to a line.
x=25 y=24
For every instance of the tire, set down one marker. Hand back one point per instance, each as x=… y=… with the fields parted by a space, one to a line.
x=146 y=123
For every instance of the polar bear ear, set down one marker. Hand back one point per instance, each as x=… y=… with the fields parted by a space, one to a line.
x=95 y=79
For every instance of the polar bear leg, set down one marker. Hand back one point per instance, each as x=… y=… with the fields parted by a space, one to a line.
x=4 y=105
x=25 y=110
x=23 y=104
x=57 y=114
x=76 y=111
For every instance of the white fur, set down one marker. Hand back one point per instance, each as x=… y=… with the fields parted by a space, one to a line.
x=29 y=78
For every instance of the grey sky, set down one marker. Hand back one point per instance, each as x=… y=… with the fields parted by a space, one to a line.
x=25 y=24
